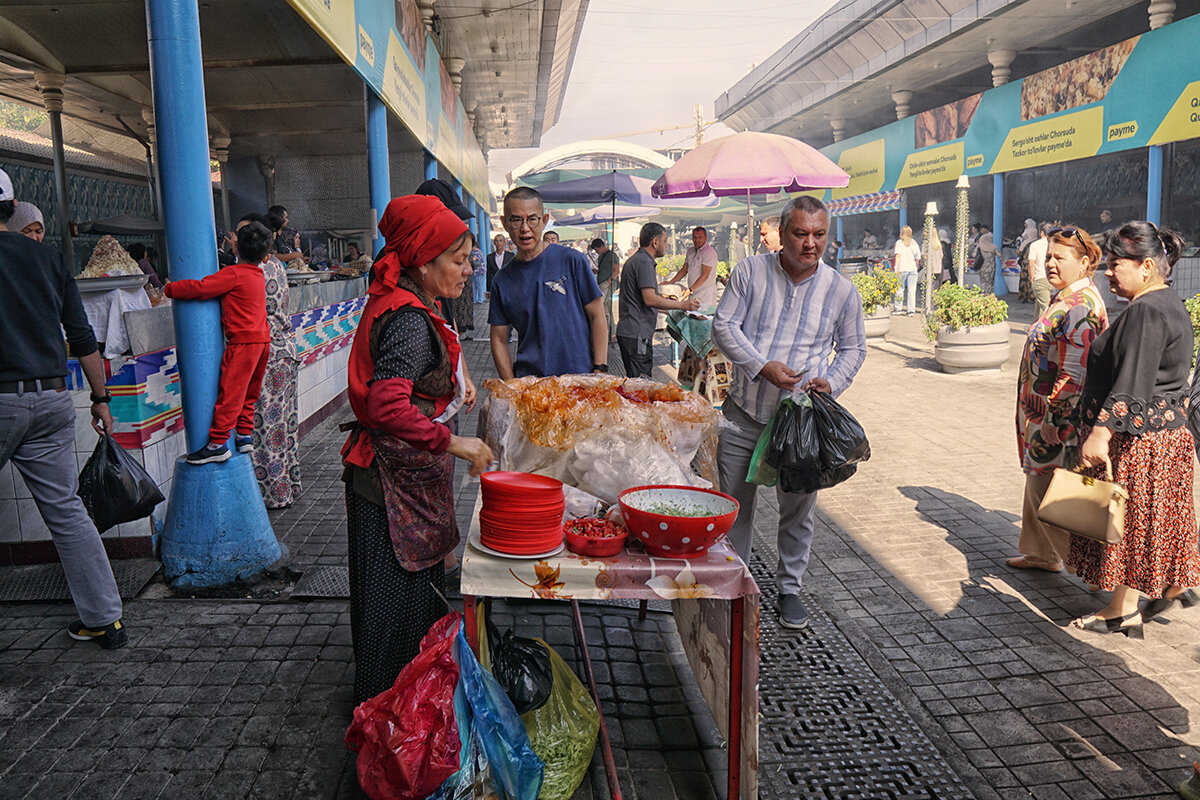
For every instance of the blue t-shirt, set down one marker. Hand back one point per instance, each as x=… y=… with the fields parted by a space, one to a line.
x=544 y=299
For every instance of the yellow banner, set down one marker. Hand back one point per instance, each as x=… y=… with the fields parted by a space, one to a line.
x=933 y=165
x=865 y=166
x=403 y=86
x=1050 y=141
x=334 y=21
x=1183 y=120
x=447 y=146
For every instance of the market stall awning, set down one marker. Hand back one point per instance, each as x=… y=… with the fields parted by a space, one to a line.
x=123 y=224
x=867 y=203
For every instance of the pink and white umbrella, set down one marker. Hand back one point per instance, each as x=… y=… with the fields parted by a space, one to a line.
x=749 y=163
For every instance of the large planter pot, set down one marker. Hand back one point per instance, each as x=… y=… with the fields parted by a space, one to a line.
x=1013 y=282
x=971 y=349
x=877 y=325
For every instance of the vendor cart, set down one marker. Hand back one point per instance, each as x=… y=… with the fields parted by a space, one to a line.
x=715 y=604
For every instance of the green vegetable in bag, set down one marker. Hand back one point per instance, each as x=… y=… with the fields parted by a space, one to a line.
x=563 y=731
x=760 y=472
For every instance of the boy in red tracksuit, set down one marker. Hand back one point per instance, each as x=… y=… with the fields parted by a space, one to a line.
x=243 y=292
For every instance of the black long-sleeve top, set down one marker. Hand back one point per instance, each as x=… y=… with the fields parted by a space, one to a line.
x=37 y=295
x=1138 y=369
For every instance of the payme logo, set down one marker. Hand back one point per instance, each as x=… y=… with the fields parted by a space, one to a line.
x=1123 y=130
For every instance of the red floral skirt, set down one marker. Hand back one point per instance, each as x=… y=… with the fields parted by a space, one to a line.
x=1159 y=548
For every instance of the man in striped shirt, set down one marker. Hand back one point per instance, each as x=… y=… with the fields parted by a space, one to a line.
x=787 y=321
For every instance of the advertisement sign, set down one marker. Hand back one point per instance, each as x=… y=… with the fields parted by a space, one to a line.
x=1135 y=93
x=386 y=43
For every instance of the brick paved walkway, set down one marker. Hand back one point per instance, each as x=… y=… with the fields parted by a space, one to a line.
x=931 y=671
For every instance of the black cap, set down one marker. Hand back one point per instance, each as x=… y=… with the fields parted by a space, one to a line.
x=436 y=187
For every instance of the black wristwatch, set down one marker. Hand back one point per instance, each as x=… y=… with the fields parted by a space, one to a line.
x=599 y=367
x=107 y=398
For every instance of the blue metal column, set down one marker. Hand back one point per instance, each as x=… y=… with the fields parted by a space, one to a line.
x=431 y=166
x=839 y=236
x=217 y=529
x=1154 y=184
x=473 y=222
x=903 y=218
x=998 y=232
x=378 y=175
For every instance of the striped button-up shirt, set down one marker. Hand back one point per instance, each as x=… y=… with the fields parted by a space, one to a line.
x=815 y=325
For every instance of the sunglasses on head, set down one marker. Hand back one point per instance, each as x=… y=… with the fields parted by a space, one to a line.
x=1068 y=233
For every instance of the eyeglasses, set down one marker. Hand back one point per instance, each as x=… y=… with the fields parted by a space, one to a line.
x=516 y=222
x=1068 y=233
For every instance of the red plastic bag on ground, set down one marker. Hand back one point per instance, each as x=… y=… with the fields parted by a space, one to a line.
x=407 y=737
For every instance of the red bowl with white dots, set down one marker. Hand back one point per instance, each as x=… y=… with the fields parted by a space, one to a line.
x=677 y=521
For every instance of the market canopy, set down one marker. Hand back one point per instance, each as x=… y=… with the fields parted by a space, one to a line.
x=614 y=187
x=123 y=224
x=602 y=215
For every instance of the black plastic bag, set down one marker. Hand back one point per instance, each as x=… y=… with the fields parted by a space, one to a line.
x=794 y=449
x=815 y=444
x=114 y=487
x=522 y=668
x=843 y=440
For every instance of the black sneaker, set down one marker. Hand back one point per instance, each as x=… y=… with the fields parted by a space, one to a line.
x=209 y=454
x=110 y=637
x=792 y=613
x=244 y=444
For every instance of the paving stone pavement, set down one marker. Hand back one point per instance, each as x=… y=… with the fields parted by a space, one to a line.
x=931 y=670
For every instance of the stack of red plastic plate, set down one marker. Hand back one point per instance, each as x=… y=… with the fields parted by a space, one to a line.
x=522 y=513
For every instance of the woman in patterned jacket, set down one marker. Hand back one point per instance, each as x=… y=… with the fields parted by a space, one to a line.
x=1049 y=386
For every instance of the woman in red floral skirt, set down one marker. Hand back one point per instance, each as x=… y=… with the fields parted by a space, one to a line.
x=1136 y=395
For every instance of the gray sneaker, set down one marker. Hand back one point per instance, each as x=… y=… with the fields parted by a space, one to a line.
x=792 y=613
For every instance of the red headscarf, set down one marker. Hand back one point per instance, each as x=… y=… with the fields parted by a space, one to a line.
x=417 y=229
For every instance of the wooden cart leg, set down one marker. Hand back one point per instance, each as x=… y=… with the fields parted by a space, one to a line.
x=643 y=605
x=610 y=767
x=470 y=623
x=737 y=621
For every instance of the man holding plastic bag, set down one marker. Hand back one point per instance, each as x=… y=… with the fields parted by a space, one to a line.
x=787 y=321
x=38 y=302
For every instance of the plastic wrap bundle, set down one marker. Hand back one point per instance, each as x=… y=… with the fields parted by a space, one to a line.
x=597 y=433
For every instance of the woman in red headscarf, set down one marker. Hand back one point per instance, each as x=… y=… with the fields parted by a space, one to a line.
x=406 y=382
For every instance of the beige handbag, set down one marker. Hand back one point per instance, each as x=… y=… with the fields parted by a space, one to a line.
x=1087 y=506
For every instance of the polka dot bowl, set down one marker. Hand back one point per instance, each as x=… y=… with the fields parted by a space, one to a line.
x=647 y=511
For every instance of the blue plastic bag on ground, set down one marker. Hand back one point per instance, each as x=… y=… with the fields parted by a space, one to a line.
x=496 y=752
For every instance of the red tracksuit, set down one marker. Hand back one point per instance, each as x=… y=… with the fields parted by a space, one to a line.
x=243 y=292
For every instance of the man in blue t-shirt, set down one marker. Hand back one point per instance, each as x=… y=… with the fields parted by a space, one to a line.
x=549 y=294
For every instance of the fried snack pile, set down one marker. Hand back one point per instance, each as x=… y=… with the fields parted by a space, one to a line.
x=554 y=411
x=597 y=433
x=109 y=259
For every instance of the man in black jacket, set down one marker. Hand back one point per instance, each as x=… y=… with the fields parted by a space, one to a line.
x=37 y=418
x=498 y=259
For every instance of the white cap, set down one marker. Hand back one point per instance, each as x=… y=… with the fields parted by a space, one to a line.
x=6 y=190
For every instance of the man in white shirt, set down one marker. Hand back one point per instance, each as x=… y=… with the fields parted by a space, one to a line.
x=787 y=321
x=1042 y=290
x=700 y=267
x=768 y=234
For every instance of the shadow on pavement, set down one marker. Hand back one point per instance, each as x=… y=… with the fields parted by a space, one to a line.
x=1052 y=706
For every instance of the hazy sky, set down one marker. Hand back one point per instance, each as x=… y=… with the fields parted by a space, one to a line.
x=646 y=65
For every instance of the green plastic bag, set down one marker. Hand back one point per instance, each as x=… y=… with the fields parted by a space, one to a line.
x=563 y=731
x=759 y=471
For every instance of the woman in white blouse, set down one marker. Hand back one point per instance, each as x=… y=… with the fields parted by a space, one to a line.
x=907 y=258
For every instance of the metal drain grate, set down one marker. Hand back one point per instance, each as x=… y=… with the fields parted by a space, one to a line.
x=830 y=728
x=47 y=581
x=323 y=582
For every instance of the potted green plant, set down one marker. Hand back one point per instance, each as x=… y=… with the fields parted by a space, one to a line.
x=969 y=328
x=876 y=289
x=1192 y=304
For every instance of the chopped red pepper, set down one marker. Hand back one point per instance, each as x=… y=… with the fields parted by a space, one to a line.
x=594 y=528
